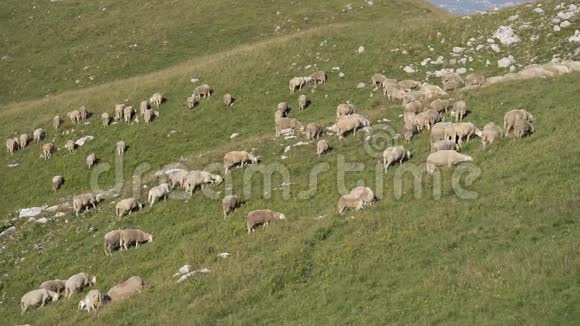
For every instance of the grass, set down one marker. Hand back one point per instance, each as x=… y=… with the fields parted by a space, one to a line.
x=508 y=257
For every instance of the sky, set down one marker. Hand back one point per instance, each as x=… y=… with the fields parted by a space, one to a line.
x=471 y=6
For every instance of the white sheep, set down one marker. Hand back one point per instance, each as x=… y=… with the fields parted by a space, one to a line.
x=344 y=109
x=119 y=109
x=296 y=83
x=120 y=148
x=522 y=128
x=365 y=194
x=262 y=217
x=38 y=135
x=426 y=119
x=229 y=204
x=126 y=206
x=134 y=236
x=177 y=178
x=512 y=116
x=408 y=84
x=287 y=123
x=156 y=99
x=143 y=106
x=37 y=298
x=350 y=123
x=238 y=157
x=158 y=192
x=395 y=154
x=195 y=179
x=459 y=110
x=126 y=289
x=11 y=146
x=91 y=160
x=83 y=201
x=465 y=130
x=112 y=241
x=148 y=116
x=57 y=182
x=93 y=300
x=57 y=286
x=228 y=100
x=128 y=113
x=441 y=105
x=318 y=77
x=70 y=146
x=490 y=134
x=84 y=113
x=56 y=121
x=78 y=282
x=322 y=147
x=444 y=145
x=393 y=92
x=313 y=131
x=442 y=131
x=74 y=116
x=349 y=201
x=47 y=150
x=105 y=119
x=475 y=80
x=377 y=80
x=445 y=158
x=190 y=102
x=408 y=131
x=24 y=140
x=302 y=102
x=204 y=91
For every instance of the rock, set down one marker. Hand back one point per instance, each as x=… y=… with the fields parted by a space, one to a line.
x=505 y=62
x=13 y=165
x=287 y=149
x=8 y=230
x=575 y=38
x=565 y=24
x=43 y=220
x=30 y=212
x=506 y=36
x=59 y=214
x=283 y=157
x=495 y=48
x=360 y=85
x=461 y=71
x=234 y=135
x=440 y=60
x=341 y=74
x=361 y=49
x=194 y=80
x=556 y=28
x=409 y=69
x=224 y=255
x=513 y=18
x=539 y=10
x=458 y=49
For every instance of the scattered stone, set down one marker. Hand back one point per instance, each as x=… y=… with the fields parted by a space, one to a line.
x=461 y=71
x=495 y=48
x=565 y=24
x=458 y=49
x=513 y=18
x=341 y=74
x=505 y=62
x=361 y=49
x=234 y=135
x=506 y=36
x=556 y=28
x=8 y=230
x=575 y=38
x=43 y=220
x=13 y=165
x=360 y=85
x=539 y=10
x=224 y=255
x=409 y=69
x=30 y=212
x=81 y=141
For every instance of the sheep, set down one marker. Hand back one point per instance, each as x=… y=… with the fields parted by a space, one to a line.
x=126 y=206
x=57 y=286
x=451 y=85
x=313 y=131
x=120 y=148
x=408 y=131
x=238 y=157
x=148 y=116
x=475 y=80
x=56 y=122
x=365 y=194
x=91 y=160
x=134 y=236
x=57 y=182
x=444 y=145
x=17 y=143
x=344 y=109
x=318 y=77
x=445 y=158
x=408 y=84
x=288 y=123
x=428 y=92
x=452 y=81
x=70 y=146
x=394 y=154
x=459 y=110
x=158 y=192
x=302 y=102
x=190 y=102
x=414 y=107
x=489 y=134
x=11 y=146
x=83 y=201
x=465 y=130
x=442 y=131
x=38 y=135
x=156 y=99
x=78 y=282
x=47 y=150
x=228 y=100
x=393 y=92
x=322 y=147
x=349 y=201
x=84 y=113
x=74 y=116
x=229 y=204
x=350 y=123
x=426 y=119
x=195 y=179
x=282 y=106
x=119 y=109
x=262 y=216
x=24 y=140
x=111 y=242
x=126 y=289
x=441 y=105
x=204 y=91
x=143 y=106
x=522 y=128
x=105 y=119
x=512 y=116
x=377 y=80
x=37 y=298
x=177 y=178
x=128 y=113
x=296 y=83
x=93 y=300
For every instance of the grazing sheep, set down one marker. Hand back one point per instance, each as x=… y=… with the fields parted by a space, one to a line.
x=120 y=148
x=452 y=81
x=17 y=142
x=84 y=113
x=512 y=116
x=70 y=146
x=111 y=242
x=177 y=178
x=459 y=110
x=204 y=91
x=229 y=204
x=56 y=122
x=408 y=84
x=148 y=116
x=441 y=105
x=302 y=102
x=393 y=92
x=465 y=130
x=57 y=286
x=74 y=116
x=444 y=145
x=451 y=85
x=143 y=106
x=442 y=131
x=322 y=147
x=475 y=80
x=489 y=134
x=282 y=106
x=91 y=160
x=318 y=77
x=37 y=298
x=522 y=128
x=408 y=131
x=394 y=154
x=57 y=182
x=11 y=146
x=288 y=123
x=47 y=150
x=262 y=216
x=93 y=300
x=38 y=135
x=156 y=99
x=119 y=109
x=350 y=123
x=415 y=107
x=426 y=119
x=365 y=194
x=195 y=179
x=313 y=131
x=83 y=201
x=78 y=282
x=228 y=100
x=128 y=113
x=428 y=92
x=445 y=158
x=296 y=83
x=126 y=206
x=238 y=157
x=24 y=140
x=126 y=289
x=134 y=236
x=377 y=80
x=106 y=119
x=349 y=201
x=344 y=109
x=190 y=102
x=158 y=192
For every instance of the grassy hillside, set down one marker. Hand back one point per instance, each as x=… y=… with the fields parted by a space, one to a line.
x=508 y=257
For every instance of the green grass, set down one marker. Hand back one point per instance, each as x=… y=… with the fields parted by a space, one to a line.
x=508 y=257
